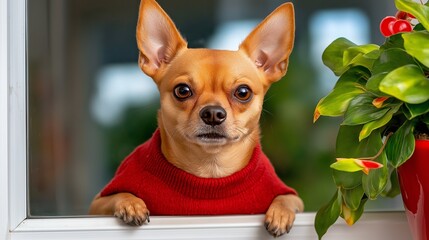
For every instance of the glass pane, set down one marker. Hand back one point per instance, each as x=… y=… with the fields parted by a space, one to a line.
x=90 y=105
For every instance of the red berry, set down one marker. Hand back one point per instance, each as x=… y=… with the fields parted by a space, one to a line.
x=401 y=26
x=404 y=15
x=401 y=15
x=386 y=26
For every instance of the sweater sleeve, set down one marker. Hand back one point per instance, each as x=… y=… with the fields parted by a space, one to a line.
x=123 y=180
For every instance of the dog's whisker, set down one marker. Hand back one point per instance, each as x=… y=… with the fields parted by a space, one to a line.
x=268 y=112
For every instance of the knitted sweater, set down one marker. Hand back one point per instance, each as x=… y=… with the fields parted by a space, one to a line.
x=168 y=190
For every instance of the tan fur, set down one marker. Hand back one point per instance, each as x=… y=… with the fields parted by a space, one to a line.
x=213 y=76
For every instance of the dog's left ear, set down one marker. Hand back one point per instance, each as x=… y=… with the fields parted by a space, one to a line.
x=270 y=43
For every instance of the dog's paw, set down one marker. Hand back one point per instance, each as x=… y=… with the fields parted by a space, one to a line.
x=132 y=210
x=279 y=221
x=280 y=216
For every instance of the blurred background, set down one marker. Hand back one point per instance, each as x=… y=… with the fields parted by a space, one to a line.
x=89 y=104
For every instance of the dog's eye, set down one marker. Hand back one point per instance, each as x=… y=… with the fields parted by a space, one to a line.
x=182 y=91
x=243 y=93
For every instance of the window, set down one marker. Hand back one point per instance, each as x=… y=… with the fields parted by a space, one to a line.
x=15 y=219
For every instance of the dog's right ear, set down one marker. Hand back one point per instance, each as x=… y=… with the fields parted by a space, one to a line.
x=158 y=39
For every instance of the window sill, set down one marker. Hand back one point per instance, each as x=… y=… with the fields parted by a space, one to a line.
x=372 y=226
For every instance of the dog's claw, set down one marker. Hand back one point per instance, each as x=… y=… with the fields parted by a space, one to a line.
x=279 y=233
x=148 y=216
x=288 y=228
x=266 y=224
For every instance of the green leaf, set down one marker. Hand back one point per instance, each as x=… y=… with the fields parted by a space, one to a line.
x=392 y=187
x=415 y=110
x=347 y=180
x=407 y=83
x=400 y=146
x=361 y=110
x=394 y=41
x=355 y=75
x=336 y=102
x=417 y=45
x=391 y=59
x=373 y=83
x=349 y=146
x=419 y=27
x=328 y=215
x=425 y=119
x=365 y=59
x=374 y=183
x=376 y=180
x=420 y=11
x=351 y=216
x=368 y=128
x=332 y=57
x=351 y=53
x=352 y=197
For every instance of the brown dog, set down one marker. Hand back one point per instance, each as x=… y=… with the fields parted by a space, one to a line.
x=211 y=102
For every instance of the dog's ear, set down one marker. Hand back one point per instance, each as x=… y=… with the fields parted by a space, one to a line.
x=270 y=43
x=158 y=39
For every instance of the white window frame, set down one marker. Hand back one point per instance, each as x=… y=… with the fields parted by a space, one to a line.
x=14 y=223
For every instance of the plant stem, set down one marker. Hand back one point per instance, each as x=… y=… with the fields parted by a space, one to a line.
x=381 y=149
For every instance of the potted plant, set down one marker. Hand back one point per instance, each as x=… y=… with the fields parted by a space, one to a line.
x=382 y=93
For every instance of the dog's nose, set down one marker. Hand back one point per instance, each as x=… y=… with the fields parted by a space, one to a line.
x=213 y=115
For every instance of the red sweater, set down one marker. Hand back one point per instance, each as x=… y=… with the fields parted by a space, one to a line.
x=168 y=190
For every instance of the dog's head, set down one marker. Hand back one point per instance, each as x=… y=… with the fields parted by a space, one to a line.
x=212 y=97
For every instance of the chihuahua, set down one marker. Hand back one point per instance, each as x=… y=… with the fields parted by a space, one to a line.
x=208 y=128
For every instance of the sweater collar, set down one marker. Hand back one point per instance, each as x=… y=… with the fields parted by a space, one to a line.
x=197 y=187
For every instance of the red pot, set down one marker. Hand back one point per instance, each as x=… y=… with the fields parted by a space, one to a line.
x=414 y=182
